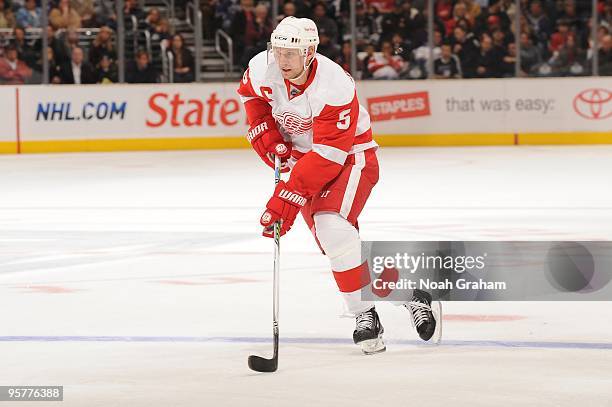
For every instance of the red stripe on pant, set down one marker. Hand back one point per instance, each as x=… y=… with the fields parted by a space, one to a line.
x=353 y=279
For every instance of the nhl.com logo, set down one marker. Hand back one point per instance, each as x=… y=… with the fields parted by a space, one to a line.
x=593 y=104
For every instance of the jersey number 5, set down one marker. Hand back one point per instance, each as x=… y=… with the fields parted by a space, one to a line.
x=344 y=119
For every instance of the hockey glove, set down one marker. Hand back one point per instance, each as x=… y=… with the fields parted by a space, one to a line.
x=284 y=207
x=267 y=142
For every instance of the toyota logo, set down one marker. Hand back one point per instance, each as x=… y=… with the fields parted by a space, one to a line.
x=595 y=104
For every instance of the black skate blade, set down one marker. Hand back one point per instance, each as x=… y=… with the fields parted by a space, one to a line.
x=259 y=364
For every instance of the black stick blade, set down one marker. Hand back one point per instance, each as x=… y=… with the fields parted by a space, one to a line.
x=259 y=364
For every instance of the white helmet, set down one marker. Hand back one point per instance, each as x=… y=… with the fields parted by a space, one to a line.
x=293 y=32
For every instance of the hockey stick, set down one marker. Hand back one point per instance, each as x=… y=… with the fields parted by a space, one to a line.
x=258 y=363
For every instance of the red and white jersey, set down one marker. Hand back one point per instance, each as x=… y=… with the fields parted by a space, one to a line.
x=322 y=118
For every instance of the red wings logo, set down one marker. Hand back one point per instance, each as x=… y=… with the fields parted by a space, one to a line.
x=294 y=124
x=594 y=104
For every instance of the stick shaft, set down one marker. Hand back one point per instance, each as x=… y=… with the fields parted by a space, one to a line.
x=277 y=227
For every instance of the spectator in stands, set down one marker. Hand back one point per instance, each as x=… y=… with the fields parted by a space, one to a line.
x=64 y=16
x=140 y=70
x=25 y=49
x=103 y=44
x=472 y=11
x=29 y=16
x=530 y=54
x=105 y=14
x=257 y=33
x=153 y=19
x=225 y=12
x=559 y=38
x=459 y=13
x=54 y=68
x=466 y=47
x=238 y=26
x=489 y=59
x=363 y=64
x=569 y=59
x=421 y=54
x=366 y=24
x=570 y=15
x=501 y=40
x=131 y=8
x=53 y=42
x=605 y=56
x=401 y=46
x=251 y=30
x=288 y=10
x=509 y=61
x=413 y=24
x=7 y=18
x=12 y=70
x=444 y=9
x=386 y=65
x=210 y=23
x=540 y=23
x=389 y=22
x=447 y=66
x=69 y=41
x=344 y=59
x=106 y=71
x=492 y=18
x=162 y=32
x=325 y=23
x=77 y=71
x=183 y=60
x=326 y=46
x=85 y=9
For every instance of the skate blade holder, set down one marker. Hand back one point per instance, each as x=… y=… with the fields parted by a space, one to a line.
x=373 y=346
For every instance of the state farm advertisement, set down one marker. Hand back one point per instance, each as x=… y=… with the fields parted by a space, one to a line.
x=547 y=105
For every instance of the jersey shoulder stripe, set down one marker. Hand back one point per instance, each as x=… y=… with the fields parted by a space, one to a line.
x=333 y=86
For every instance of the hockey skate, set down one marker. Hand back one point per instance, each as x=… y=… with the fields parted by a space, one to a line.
x=426 y=316
x=368 y=332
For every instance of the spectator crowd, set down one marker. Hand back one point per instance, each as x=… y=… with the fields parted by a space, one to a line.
x=472 y=38
x=75 y=55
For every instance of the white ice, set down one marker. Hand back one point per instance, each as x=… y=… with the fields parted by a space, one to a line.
x=140 y=279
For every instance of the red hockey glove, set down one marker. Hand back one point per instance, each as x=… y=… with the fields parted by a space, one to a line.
x=266 y=141
x=284 y=206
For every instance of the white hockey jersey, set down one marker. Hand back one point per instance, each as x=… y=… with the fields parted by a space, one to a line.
x=322 y=117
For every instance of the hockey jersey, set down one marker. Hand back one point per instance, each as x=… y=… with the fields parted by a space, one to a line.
x=322 y=118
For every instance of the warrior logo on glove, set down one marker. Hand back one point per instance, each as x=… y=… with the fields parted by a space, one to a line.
x=283 y=207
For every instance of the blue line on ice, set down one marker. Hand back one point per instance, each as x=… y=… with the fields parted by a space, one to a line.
x=294 y=340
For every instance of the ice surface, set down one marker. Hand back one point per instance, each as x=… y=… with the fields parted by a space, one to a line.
x=140 y=279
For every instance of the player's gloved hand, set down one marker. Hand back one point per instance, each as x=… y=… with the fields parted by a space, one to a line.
x=267 y=142
x=283 y=206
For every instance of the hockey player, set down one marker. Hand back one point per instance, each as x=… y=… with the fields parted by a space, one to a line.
x=303 y=107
